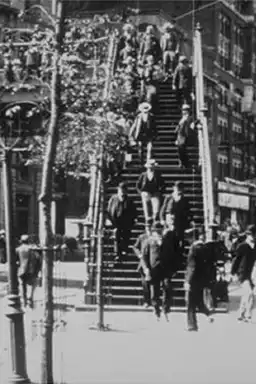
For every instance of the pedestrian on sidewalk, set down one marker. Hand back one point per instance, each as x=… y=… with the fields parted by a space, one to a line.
x=195 y=281
x=242 y=269
x=151 y=186
x=142 y=268
x=29 y=261
x=183 y=131
x=2 y=247
x=122 y=214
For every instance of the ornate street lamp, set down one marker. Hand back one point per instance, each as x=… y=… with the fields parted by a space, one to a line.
x=15 y=124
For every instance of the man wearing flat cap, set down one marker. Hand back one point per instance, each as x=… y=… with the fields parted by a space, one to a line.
x=242 y=268
x=182 y=81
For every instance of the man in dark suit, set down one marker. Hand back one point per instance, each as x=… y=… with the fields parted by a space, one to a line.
x=122 y=214
x=183 y=130
x=151 y=258
x=29 y=261
x=170 y=260
x=142 y=269
x=195 y=280
x=182 y=81
x=242 y=268
x=2 y=247
x=177 y=205
x=150 y=46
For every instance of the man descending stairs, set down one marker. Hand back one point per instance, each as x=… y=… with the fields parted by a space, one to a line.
x=121 y=281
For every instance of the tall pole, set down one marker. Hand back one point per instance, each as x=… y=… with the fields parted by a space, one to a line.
x=14 y=312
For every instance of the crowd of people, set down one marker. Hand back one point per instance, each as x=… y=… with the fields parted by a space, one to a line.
x=161 y=250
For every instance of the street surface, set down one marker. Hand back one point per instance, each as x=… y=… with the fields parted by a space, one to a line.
x=138 y=349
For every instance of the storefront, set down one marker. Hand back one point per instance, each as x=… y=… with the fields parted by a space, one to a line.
x=234 y=203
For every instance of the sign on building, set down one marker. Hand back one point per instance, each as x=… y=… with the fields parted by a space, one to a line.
x=229 y=200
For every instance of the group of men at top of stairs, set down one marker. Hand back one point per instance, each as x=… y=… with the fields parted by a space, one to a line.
x=145 y=60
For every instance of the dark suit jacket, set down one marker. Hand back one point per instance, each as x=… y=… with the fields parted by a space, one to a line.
x=244 y=262
x=197 y=264
x=29 y=262
x=183 y=130
x=170 y=255
x=180 y=210
x=182 y=77
x=143 y=130
x=121 y=213
x=143 y=179
x=169 y=42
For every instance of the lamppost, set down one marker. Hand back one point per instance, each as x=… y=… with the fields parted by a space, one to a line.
x=10 y=137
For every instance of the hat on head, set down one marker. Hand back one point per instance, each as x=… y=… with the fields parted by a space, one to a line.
x=182 y=58
x=151 y=163
x=214 y=225
x=144 y=107
x=24 y=238
x=122 y=185
x=150 y=28
x=156 y=226
x=168 y=26
x=179 y=185
x=250 y=230
x=2 y=232
x=185 y=107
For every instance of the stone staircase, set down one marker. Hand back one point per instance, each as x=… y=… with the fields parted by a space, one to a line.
x=121 y=282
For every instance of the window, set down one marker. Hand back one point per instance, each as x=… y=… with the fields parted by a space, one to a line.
x=223 y=129
x=224 y=46
x=223 y=166
x=237 y=169
x=238 y=52
x=238 y=103
x=223 y=100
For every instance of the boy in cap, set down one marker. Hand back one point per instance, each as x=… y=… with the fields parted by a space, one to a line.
x=150 y=186
x=182 y=81
x=170 y=48
x=122 y=214
x=195 y=280
x=143 y=130
x=242 y=268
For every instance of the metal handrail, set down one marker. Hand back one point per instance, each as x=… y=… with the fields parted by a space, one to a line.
x=203 y=135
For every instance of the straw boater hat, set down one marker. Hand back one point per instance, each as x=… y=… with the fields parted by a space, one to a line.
x=2 y=232
x=151 y=163
x=168 y=27
x=144 y=107
x=185 y=107
x=182 y=59
x=150 y=29
x=24 y=238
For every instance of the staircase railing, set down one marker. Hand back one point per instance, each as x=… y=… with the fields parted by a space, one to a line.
x=203 y=136
x=96 y=208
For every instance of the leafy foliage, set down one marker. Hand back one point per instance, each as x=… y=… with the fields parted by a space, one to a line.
x=87 y=115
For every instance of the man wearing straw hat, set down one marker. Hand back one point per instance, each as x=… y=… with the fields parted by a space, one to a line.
x=170 y=48
x=151 y=186
x=182 y=81
x=143 y=130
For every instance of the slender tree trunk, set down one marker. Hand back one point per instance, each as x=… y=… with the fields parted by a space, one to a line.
x=45 y=200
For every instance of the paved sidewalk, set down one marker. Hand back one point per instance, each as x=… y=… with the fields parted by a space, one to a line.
x=140 y=350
